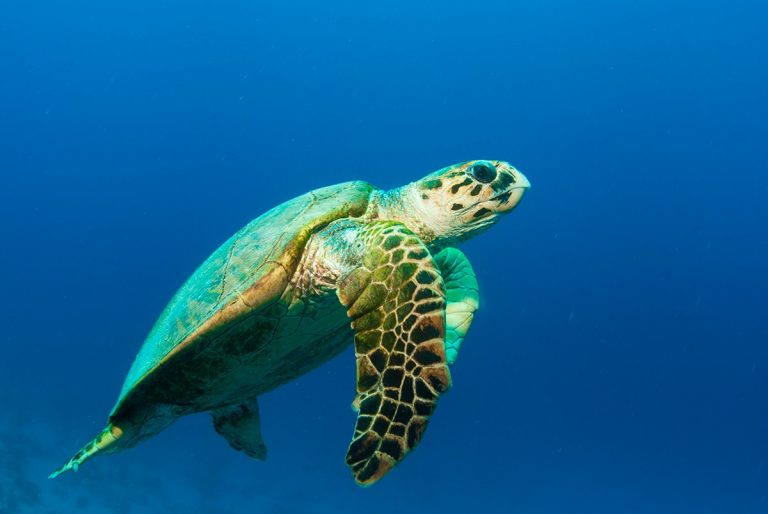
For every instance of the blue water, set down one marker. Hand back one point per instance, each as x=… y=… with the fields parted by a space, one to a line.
x=619 y=363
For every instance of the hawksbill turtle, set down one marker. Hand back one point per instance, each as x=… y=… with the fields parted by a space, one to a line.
x=292 y=289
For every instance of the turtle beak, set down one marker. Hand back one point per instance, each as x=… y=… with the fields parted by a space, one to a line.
x=521 y=181
x=514 y=194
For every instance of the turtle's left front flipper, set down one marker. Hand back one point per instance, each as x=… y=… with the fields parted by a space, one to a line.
x=396 y=301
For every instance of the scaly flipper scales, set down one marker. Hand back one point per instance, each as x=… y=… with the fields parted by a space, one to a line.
x=396 y=302
x=463 y=298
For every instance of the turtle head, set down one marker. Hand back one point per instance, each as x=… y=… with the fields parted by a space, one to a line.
x=457 y=202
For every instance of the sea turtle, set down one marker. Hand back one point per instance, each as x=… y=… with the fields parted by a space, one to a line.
x=279 y=297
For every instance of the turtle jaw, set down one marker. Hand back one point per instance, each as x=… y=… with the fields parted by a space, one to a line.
x=510 y=198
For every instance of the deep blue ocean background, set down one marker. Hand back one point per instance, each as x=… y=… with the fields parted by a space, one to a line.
x=619 y=363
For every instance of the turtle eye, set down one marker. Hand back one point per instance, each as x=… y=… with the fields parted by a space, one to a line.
x=485 y=172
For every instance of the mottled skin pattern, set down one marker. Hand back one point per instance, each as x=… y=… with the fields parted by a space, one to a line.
x=276 y=300
x=396 y=301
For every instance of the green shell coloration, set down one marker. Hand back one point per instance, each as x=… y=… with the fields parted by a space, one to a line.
x=247 y=272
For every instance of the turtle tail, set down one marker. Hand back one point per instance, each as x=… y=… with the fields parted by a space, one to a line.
x=102 y=442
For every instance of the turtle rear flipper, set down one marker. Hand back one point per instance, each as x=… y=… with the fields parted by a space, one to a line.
x=107 y=439
x=240 y=425
x=123 y=432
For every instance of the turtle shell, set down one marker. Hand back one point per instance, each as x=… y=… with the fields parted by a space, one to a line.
x=248 y=271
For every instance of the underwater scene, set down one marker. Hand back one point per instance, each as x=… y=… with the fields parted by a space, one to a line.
x=384 y=257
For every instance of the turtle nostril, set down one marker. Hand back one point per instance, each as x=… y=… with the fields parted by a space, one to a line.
x=485 y=173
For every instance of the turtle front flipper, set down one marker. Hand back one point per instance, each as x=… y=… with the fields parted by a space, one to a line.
x=396 y=302
x=462 y=298
x=240 y=425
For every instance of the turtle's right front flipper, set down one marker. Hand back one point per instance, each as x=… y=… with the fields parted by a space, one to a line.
x=462 y=298
x=396 y=302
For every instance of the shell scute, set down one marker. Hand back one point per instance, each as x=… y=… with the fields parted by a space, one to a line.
x=249 y=271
